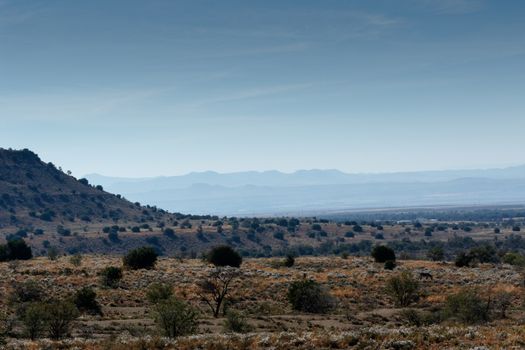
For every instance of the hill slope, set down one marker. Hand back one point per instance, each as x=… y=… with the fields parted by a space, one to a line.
x=35 y=193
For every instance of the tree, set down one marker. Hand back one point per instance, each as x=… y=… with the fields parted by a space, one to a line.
x=215 y=287
x=59 y=316
x=403 y=288
x=140 y=258
x=383 y=253
x=175 y=318
x=224 y=256
x=308 y=296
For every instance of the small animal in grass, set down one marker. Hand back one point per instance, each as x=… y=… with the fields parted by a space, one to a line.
x=425 y=275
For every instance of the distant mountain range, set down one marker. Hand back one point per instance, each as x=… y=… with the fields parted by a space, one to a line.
x=311 y=191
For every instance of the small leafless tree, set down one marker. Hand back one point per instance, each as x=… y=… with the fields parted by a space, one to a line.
x=215 y=287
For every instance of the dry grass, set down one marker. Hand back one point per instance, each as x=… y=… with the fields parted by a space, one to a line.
x=363 y=318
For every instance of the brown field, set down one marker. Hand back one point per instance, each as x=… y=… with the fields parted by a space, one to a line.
x=363 y=317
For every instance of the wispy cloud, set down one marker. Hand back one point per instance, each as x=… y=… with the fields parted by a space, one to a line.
x=250 y=93
x=453 y=7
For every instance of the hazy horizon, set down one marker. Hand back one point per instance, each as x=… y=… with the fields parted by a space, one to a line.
x=141 y=89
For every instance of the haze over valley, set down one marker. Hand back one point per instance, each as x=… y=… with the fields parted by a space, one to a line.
x=314 y=192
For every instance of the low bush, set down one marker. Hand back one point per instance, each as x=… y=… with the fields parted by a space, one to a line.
x=176 y=318
x=159 y=292
x=382 y=254
x=308 y=296
x=467 y=306
x=236 y=322
x=85 y=300
x=111 y=276
x=224 y=256
x=403 y=289
x=140 y=258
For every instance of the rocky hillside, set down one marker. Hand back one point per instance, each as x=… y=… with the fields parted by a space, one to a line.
x=34 y=193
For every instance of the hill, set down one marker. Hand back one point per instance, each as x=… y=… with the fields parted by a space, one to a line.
x=34 y=193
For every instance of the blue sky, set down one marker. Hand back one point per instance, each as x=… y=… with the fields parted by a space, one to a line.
x=144 y=88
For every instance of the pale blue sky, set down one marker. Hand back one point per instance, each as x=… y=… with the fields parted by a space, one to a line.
x=144 y=88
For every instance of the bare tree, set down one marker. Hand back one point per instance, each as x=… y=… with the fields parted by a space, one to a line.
x=215 y=287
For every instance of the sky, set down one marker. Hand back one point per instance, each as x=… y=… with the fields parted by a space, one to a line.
x=165 y=87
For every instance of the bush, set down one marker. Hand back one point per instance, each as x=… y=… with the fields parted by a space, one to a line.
x=85 y=300
x=175 y=318
x=52 y=253
x=159 y=292
x=289 y=261
x=436 y=254
x=515 y=259
x=141 y=258
x=236 y=322
x=308 y=296
x=111 y=276
x=59 y=316
x=224 y=256
x=418 y=318
x=26 y=292
x=467 y=306
x=17 y=250
x=390 y=265
x=169 y=232
x=33 y=320
x=403 y=289
x=76 y=260
x=382 y=254
x=482 y=254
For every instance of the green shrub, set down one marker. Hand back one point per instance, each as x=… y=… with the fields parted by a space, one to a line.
x=515 y=259
x=236 y=322
x=467 y=306
x=59 y=316
x=308 y=296
x=140 y=258
x=403 y=288
x=111 y=276
x=158 y=292
x=224 y=256
x=34 y=320
x=85 y=300
x=382 y=254
x=176 y=318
